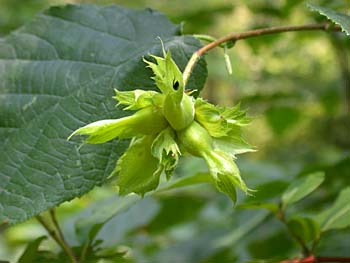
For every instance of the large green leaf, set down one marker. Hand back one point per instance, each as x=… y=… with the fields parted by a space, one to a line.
x=58 y=73
x=338 y=215
x=341 y=19
x=301 y=188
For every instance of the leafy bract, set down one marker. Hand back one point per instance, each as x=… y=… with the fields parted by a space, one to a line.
x=341 y=19
x=138 y=170
x=301 y=188
x=220 y=121
x=146 y=121
x=138 y=99
x=178 y=107
x=159 y=128
x=226 y=183
x=225 y=174
x=338 y=215
x=232 y=145
x=167 y=75
x=59 y=73
x=166 y=150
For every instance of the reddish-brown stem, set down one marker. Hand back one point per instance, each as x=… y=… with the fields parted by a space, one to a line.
x=332 y=259
x=309 y=259
x=249 y=34
x=313 y=259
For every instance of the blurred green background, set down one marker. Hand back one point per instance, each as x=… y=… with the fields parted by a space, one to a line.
x=292 y=84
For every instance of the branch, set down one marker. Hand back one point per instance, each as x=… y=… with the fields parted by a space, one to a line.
x=332 y=259
x=313 y=259
x=67 y=248
x=249 y=34
x=309 y=259
x=49 y=230
x=57 y=236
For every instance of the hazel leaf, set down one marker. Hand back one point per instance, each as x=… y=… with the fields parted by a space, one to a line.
x=338 y=215
x=338 y=18
x=301 y=188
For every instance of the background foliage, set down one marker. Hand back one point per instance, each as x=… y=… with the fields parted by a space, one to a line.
x=293 y=86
